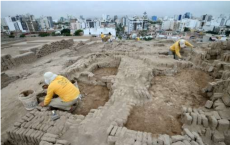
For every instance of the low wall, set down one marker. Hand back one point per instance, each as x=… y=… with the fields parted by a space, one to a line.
x=27 y=57
x=7 y=62
x=54 y=47
x=31 y=54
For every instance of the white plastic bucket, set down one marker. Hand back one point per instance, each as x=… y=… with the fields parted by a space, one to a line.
x=29 y=99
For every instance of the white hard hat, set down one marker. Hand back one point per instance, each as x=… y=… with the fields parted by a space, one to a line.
x=49 y=77
x=182 y=43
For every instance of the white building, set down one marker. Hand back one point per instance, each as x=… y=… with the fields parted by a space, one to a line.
x=75 y=25
x=168 y=25
x=135 y=23
x=97 y=31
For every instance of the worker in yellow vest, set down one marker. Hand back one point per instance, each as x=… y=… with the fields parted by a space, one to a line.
x=68 y=94
x=102 y=36
x=177 y=46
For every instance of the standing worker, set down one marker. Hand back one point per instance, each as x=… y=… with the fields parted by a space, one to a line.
x=176 y=47
x=61 y=86
x=110 y=37
x=102 y=36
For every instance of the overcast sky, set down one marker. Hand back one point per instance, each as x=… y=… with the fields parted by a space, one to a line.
x=56 y=9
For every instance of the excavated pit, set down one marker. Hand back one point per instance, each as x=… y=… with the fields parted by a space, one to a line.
x=162 y=114
x=106 y=71
x=93 y=97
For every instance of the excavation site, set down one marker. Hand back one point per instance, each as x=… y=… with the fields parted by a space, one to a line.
x=131 y=93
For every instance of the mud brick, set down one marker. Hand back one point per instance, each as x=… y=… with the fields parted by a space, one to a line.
x=46 y=127
x=139 y=136
x=63 y=142
x=24 y=134
x=17 y=134
x=223 y=125
x=32 y=136
x=186 y=142
x=208 y=133
x=204 y=120
x=25 y=118
x=43 y=125
x=217 y=96
x=178 y=143
x=17 y=124
x=187 y=132
x=145 y=137
x=226 y=99
x=177 y=138
x=48 y=139
x=194 y=118
x=37 y=136
x=167 y=139
x=51 y=135
x=209 y=104
x=199 y=119
x=137 y=143
x=213 y=122
x=189 y=110
x=198 y=138
x=38 y=126
x=34 y=125
x=113 y=132
x=154 y=142
x=123 y=131
x=118 y=131
x=194 y=143
x=27 y=124
x=187 y=119
x=218 y=137
x=28 y=135
x=216 y=115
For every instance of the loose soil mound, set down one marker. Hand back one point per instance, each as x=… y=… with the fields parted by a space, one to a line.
x=170 y=93
x=94 y=96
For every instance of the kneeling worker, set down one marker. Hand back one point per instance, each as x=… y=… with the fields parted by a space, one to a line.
x=61 y=86
x=176 y=47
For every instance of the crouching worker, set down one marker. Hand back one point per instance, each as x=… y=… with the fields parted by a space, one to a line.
x=61 y=86
x=177 y=46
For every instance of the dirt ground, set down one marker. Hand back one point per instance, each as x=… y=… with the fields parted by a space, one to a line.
x=105 y=72
x=94 y=96
x=162 y=114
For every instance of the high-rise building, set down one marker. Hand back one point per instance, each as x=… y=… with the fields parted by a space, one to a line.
x=154 y=18
x=180 y=17
x=188 y=15
x=50 y=21
x=115 y=18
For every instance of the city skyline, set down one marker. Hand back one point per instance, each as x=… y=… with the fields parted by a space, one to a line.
x=58 y=9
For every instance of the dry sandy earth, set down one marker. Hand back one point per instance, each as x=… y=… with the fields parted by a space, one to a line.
x=168 y=88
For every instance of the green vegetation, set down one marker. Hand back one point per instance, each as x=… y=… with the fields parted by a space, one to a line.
x=43 y=34
x=227 y=33
x=78 y=32
x=156 y=22
x=22 y=35
x=119 y=30
x=148 y=39
x=211 y=32
x=186 y=29
x=11 y=36
x=65 y=32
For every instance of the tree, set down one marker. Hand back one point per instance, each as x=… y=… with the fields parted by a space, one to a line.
x=43 y=34
x=227 y=33
x=65 y=32
x=211 y=32
x=78 y=32
x=22 y=35
x=143 y=33
x=186 y=29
